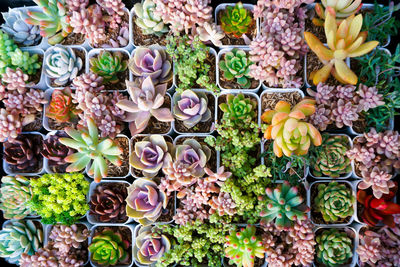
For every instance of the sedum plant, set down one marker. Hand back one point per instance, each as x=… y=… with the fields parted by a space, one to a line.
x=236 y=64
x=61 y=107
x=344 y=40
x=91 y=150
x=147 y=20
x=107 y=65
x=23 y=60
x=238 y=107
x=334 y=201
x=342 y=8
x=242 y=247
x=236 y=20
x=334 y=248
x=15 y=193
x=288 y=130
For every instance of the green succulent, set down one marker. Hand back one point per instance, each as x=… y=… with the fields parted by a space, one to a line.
x=19 y=237
x=15 y=193
x=236 y=64
x=147 y=20
x=239 y=107
x=109 y=248
x=330 y=158
x=335 y=201
x=108 y=64
x=236 y=20
x=334 y=248
x=7 y=46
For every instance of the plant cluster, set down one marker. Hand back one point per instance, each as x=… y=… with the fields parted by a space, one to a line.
x=55 y=152
x=61 y=107
x=236 y=20
x=334 y=248
x=236 y=64
x=15 y=193
x=108 y=65
x=147 y=20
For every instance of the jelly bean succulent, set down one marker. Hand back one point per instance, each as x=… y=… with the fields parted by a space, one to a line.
x=236 y=64
x=62 y=65
x=15 y=193
x=53 y=20
x=238 y=107
x=108 y=64
x=150 y=245
x=91 y=150
x=146 y=101
x=109 y=248
x=23 y=60
x=283 y=205
x=61 y=107
x=149 y=22
x=330 y=158
x=334 y=201
x=191 y=108
x=344 y=40
x=145 y=202
x=334 y=248
x=288 y=130
x=236 y=20
x=193 y=155
x=151 y=154
x=18 y=237
x=342 y=8
x=242 y=247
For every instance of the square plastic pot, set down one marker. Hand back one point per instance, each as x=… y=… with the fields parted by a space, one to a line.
x=33 y=50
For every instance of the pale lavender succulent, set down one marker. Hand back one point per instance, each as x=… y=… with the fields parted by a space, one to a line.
x=388 y=144
x=76 y=5
x=345 y=92
x=324 y=93
x=210 y=33
x=16 y=80
x=264 y=6
x=321 y=118
x=368 y=97
x=369 y=249
x=362 y=154
x=10 y=125
x=145 y=101
x=193 y=155
x=378 y=180
x=191 y=108
x=344 y=113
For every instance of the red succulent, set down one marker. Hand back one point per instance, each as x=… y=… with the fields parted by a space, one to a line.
x=61 y=107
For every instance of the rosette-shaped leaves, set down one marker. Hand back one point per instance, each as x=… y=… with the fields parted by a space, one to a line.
x=151 y=62
x=61 y=108
x=284 y=205
x=19 y=237
x=334 y=248
x=91 y=147
x=15 y=193
x=146 y=101
x=330 y=158
x=54 y=151
x=62 y=64
x=344 y=40
x=239 y=108
x=379 y=180
x=335 y=201
x=150 y=245
x=343 y=9
x=22 y=152
x=288 y=130
x=149 y=22
x=108 y=65
x=236 y=20
x=193 y=156
x=236 y=64
x=109 y=248
x=145 y=202
x=191 y=108
x=151 y=154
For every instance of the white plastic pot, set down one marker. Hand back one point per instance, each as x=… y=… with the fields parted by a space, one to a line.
x=32 y=50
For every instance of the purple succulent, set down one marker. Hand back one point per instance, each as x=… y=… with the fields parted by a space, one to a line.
x=324 y=93
x=321 y=118
x=345 y=92
x=368 y=97
x=378 y=179
x=344 y=113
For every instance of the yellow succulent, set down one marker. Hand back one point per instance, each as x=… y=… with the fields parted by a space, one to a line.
x=343 y=9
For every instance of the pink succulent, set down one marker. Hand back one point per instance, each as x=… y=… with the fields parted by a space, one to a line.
x=377 y=179
x=368 y=98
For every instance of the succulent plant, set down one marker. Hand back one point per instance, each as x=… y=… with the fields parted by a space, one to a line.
x=22 y=32
x=334 y=248
x=76 y=5
x=15 y=192
x=239 y=108
x=61 y=108
x=108 y=203
x=150 y=245
x=236 y=20
x=62 y=64
x=7 y=45
x=108 y=65
x=370 y=248
x=67 y=237
x=19 y=237
x=109 y=248
x=191 y=108
x=53 y=20
x=343 y=41
x=379 y=180
x=284 y=205
x=236 y=64
x=151 y=154
x=149 y=22
x=23 y=153
x=193 y=155
x=54 y=151
x=334 y=201
x=330 y=158
x=23 y=60
x=10 y=125
x=210 y=33
x=289 y=132
x=343 y=9
x=145 y=202
x=242 y=247
x=90 y=147
x=146 y=101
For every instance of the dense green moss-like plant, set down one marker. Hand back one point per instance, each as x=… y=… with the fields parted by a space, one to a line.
x=108 y=64
x=334 y=248
x=238 y=107
x=236 y=64
x=60 y=197
x=236 y=20
x=15 y=193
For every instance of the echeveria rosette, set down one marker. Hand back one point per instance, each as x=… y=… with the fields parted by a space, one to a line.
x=239 y=108
x=191 y=108
x=108 y=64
x=236 y=64
x=378 y=179
x=151 y=62
x=150 y=245
x=236 y=20
x=145 y=202
x=147 y=20
x=334 y=248
x=145 y=101
x=15 y=193
x=61 y=108
x=151 y=154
